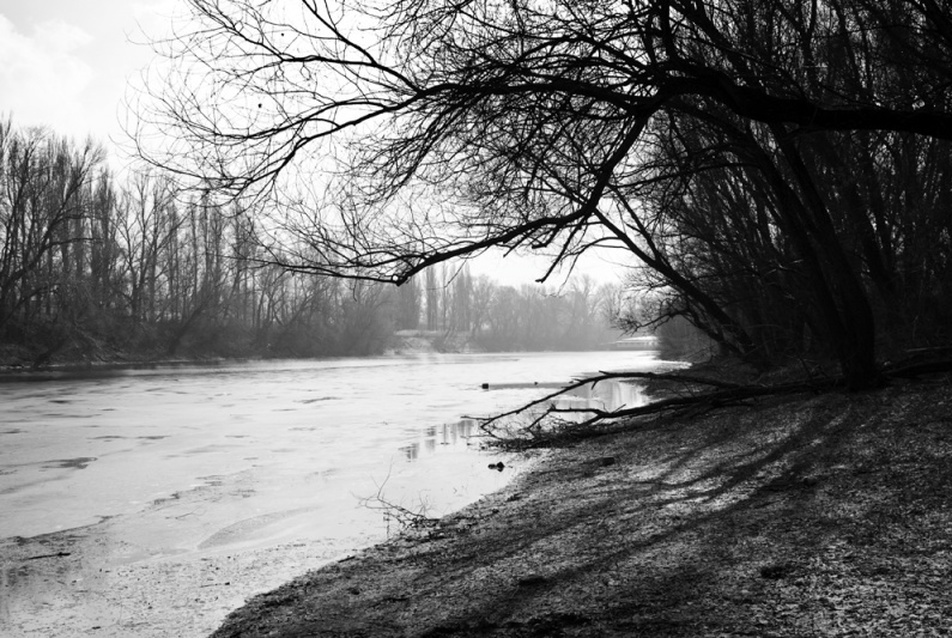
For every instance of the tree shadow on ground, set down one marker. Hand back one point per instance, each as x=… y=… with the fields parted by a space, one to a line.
x=781 y=519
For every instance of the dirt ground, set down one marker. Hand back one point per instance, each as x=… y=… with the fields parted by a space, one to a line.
x=805 y=516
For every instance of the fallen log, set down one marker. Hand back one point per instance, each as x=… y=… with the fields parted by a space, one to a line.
x=601 y=422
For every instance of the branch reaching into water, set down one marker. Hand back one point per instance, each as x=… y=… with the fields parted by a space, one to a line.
x=551 y=425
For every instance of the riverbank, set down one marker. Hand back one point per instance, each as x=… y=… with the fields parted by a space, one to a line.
x=823 y=515
x=154 y=502
x=22 y=361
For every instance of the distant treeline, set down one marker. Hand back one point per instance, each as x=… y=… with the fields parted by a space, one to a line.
x=97 y=268
x=503 y=318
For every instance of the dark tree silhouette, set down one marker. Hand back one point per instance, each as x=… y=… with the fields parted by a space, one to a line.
x=765 y=159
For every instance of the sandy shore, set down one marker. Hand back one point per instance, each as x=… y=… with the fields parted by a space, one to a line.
x=87 y=582
x=176 y=569
x=807 y=516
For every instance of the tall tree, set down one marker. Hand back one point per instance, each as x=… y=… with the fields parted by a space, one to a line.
x=559 y=125
x=45 y=202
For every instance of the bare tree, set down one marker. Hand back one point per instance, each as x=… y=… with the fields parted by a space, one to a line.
x=45 y=200
x=450 y=128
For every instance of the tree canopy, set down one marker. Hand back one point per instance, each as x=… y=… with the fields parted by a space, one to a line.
x=780 y=167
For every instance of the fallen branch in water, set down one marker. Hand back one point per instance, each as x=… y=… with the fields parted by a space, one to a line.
x=537 y=433
x=613 y=376
x=551 y=425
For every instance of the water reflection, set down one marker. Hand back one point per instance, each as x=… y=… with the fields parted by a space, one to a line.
x=605 y=396
x=176 y=470
x=459 y=434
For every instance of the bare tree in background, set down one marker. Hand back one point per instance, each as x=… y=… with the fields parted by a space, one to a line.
x=718 y=141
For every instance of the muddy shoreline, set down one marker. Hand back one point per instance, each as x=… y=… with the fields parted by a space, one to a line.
x=173 y=490
x=146 y=575
x=811 y=515
x=88 y=581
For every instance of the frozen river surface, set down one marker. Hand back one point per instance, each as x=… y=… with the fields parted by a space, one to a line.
x=150 y=502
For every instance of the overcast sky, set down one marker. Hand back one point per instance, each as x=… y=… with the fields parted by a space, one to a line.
x=66 y=63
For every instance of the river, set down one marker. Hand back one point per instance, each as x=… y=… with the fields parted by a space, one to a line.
x=151 y=501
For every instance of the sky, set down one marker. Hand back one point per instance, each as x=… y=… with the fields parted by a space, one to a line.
x=67 y=64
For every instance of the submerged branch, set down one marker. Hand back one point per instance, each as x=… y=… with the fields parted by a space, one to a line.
x=600 y=421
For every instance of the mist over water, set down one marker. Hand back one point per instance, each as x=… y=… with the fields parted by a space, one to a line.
x=199 y=463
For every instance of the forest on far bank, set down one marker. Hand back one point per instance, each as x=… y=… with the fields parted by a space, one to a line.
x=99 y=268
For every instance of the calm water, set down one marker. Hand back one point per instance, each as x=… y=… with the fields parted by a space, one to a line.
x=175 y=465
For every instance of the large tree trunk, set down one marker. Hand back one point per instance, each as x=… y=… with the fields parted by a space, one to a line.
x=848 y=313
